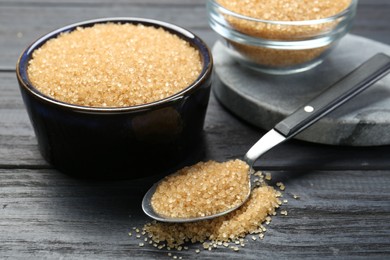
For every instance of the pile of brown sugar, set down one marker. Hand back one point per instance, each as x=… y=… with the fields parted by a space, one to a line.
x=248 y=219
x=231 y=231
x=282 y=10
x=114 y=65
x=203 y=189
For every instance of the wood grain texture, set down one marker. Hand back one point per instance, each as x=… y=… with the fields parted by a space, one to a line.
x=226 y=137
x=21 y=22
x=48 y=215
x=344 y=205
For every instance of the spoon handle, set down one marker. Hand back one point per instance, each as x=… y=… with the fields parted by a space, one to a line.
x=352 y=84
x=349 y=86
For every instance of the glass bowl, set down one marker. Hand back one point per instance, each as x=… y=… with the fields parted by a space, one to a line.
x=279 y=47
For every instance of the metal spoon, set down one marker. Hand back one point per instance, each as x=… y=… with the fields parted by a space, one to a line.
x=345 y=89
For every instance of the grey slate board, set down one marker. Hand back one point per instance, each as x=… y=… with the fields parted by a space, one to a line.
x=263 y=100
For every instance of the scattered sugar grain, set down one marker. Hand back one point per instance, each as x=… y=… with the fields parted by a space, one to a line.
x=283 y=212
x=268 y=176
x=203 y=189
x=281 y=186
x=296 y=197
x=114 y=65
x=263 y=229
x=258 y=174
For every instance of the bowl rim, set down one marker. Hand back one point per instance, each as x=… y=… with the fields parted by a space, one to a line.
x=213 y=4
x=194 y=40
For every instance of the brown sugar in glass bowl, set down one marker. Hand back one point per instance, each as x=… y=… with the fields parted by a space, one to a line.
x=97 y=111
x=280 y=36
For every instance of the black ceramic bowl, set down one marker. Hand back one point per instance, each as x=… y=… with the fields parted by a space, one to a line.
x=128 y=142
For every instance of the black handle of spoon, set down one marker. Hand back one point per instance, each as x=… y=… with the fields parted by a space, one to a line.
x=343 y=90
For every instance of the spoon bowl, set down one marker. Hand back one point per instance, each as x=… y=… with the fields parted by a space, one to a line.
x=148 y=208
x=343 y=90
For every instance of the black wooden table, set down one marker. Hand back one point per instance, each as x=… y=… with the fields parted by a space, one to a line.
x=344 y=205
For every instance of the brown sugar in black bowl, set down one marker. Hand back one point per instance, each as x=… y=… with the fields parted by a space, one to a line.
x=125 y=140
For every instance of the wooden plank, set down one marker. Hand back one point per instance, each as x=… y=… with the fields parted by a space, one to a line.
x=164 y=3
x=44 y=214
x=372 y=20
x=225 y=137
x=18 y=146
x=44 y=16
x=342 y=213
x=16 y=36
x=142 y=2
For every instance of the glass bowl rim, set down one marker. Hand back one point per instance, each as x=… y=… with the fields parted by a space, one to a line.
x=213 y=5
